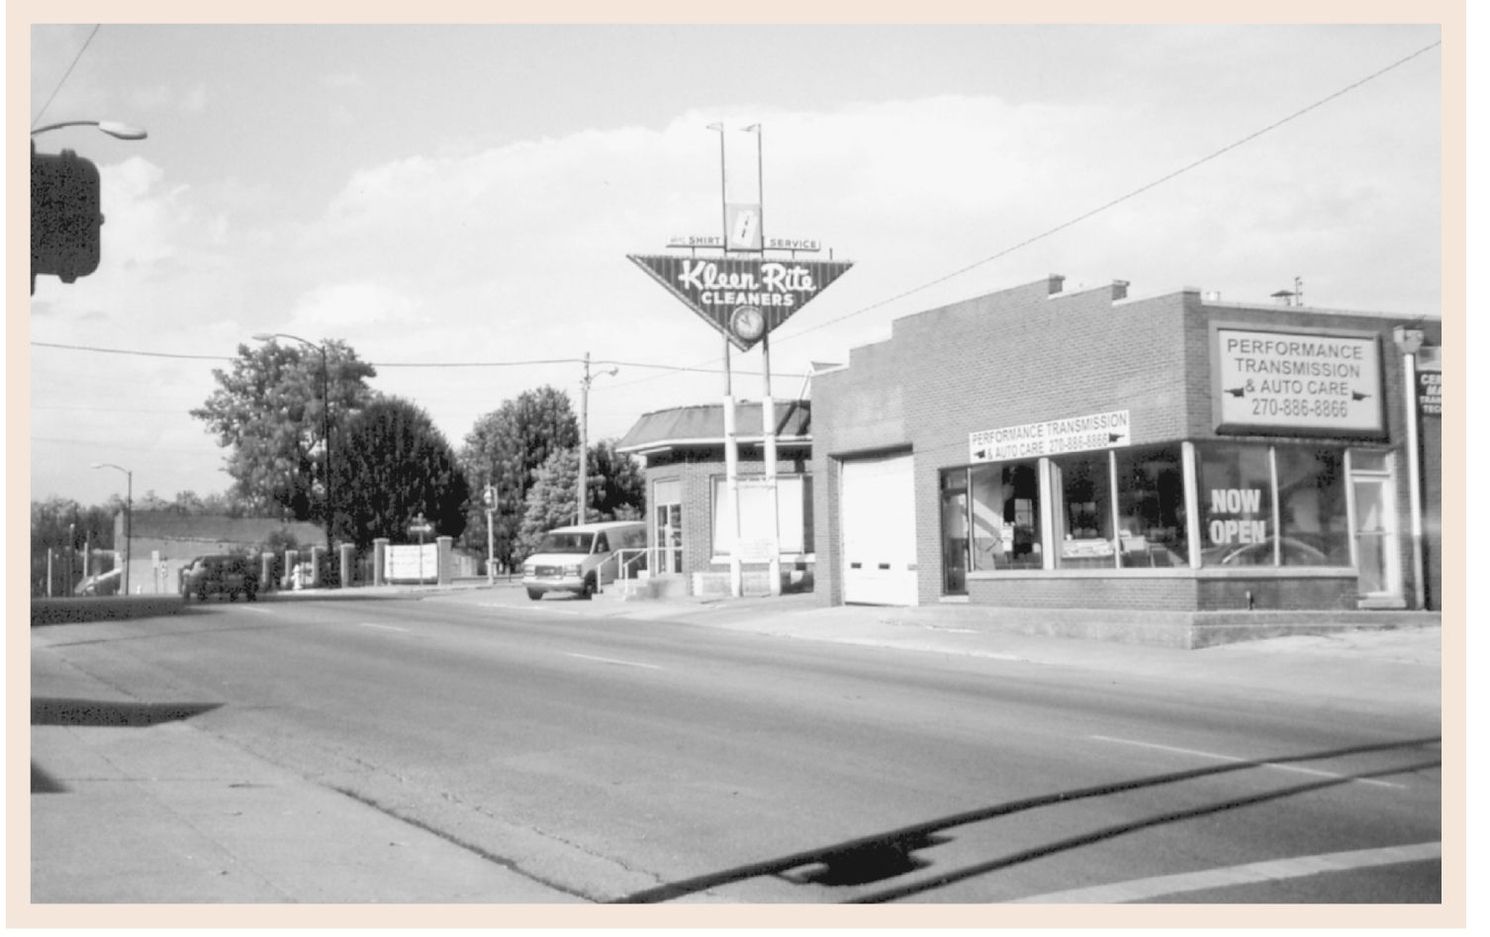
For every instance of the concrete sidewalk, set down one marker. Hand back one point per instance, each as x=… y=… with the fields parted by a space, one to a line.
x=162 y=811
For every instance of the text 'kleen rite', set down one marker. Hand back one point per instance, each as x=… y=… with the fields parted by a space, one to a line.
x=705 y=275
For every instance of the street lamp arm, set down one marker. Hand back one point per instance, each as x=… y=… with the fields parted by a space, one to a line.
x=110 y=127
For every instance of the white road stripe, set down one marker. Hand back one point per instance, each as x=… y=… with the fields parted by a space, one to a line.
x=612 y=660
x=369 y=624
x=1264 y=764
x=1147 y=889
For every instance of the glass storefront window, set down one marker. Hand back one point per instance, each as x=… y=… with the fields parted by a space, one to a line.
x=1312 y=508
x=1151 y=507
x=1083 y=519
x=1236 y=505
x=1006 y=516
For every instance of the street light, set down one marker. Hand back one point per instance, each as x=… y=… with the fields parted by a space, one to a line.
x=325 y=421
x=129 y=497
x=111 y=127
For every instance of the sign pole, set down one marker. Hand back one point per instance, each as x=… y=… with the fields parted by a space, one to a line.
x=768 y=405
x=731 y=442
x=732 y=479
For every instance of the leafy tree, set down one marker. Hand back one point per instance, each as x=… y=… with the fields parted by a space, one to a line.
x=550 y=501
x=506 y=448
x=393 y=465
x=613 y=484
x=268 y=411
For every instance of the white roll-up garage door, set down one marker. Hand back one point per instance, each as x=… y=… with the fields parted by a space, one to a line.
x=878 y=511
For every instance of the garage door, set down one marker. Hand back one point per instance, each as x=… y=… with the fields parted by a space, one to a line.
x=878 y=512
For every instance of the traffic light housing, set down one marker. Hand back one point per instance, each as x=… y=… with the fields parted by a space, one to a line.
x=65 y=216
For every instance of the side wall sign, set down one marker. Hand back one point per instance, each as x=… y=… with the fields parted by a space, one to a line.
x=1310 y=383
x=743 y=298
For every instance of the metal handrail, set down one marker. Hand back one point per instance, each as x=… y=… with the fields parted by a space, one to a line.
x=625 y=563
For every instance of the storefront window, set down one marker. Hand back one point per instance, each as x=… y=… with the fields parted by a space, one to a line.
x=1084 y=517
x=1236 y=506
x=1006 y=516
x=1312 y=507
x=1151 y=507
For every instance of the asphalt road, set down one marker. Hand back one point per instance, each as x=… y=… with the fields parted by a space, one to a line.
x=659 y=761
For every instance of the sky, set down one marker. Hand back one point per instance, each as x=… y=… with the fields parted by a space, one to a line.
x=458 y=202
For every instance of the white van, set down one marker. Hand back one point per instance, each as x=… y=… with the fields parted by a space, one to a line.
x=583 y=559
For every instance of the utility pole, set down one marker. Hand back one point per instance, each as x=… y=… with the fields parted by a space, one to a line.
x=584 y=433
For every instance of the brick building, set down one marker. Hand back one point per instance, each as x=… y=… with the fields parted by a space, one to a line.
x=1039 y=448
x=683 y=453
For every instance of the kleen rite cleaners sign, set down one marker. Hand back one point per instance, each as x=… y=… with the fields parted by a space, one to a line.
x=1304 y=383
x=719 y=287
x=1051 y=437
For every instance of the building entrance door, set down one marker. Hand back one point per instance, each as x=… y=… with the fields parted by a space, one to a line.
x=1377 y=547
x=667 y=528
x=954 y=538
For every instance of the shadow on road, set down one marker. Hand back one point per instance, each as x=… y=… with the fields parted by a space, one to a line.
x=49 y=711
x=883 y=856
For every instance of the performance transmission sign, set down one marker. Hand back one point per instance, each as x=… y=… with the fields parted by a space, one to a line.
x=1297 y=383
x=743 y=298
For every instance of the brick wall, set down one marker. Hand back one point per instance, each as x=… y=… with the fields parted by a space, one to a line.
x=1034 y=353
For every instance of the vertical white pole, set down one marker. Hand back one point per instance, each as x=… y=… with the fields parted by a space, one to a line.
x=1414 y=478
x=732 y=480
x=768 y=405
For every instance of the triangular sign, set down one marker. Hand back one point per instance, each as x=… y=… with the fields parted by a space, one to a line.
x=742 y=297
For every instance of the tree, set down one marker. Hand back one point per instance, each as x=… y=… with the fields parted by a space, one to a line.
x=268 y=410
x=615 y=490
x=550 y=501
x=615 y=484
x=395 y=464
x=506 y=448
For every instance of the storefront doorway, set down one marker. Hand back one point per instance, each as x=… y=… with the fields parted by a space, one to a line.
x=954 y=533
x=667 y=527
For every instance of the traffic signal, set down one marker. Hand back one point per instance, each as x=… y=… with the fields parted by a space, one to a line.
x=65 y=216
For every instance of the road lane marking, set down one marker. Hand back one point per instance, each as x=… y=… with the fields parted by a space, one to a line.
x=369 y=624
x=612 y=660
x=1148 y=889
x=1214 y=756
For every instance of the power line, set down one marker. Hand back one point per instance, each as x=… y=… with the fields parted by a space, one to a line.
x=523 y=363
x=60 y=83
x=1123 y=198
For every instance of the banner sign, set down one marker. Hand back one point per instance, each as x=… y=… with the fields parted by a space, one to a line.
x=744 y=298
x=716 y=241
x=1430 y=380
x=1051 y=437
x=1296 y=383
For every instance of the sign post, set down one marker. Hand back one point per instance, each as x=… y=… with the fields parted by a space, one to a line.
x=490 y=498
